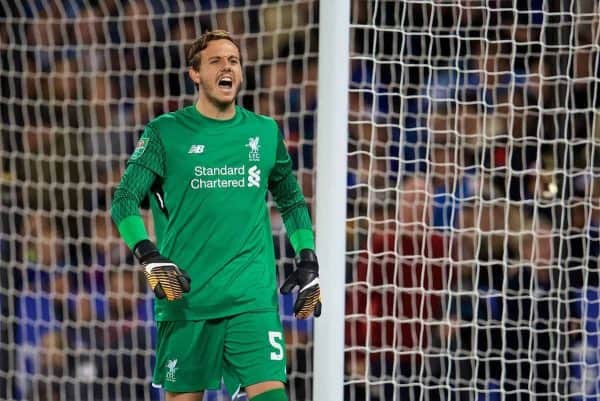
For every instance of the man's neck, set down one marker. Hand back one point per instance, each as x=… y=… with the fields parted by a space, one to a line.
x=210 y=110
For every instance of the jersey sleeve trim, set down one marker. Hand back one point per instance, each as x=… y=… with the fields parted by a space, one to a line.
x=302 y=239
x=132 y=230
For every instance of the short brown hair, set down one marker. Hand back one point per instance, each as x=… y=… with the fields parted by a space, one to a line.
x=192 y=54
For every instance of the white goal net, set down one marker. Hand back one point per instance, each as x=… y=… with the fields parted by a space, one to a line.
x=473 y=192
x=79 y=79
x=474 y=201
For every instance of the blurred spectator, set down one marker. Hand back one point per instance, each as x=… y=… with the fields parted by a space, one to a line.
x=102 y=251
x=103 y=337
x=451 y=166
x=186 y=30
x=42 y=287
x=511 y=281
x=584 y=352
x=127 y=339
x=392 y=301
x=288 y=93
x=580 y=255
x=582 y=260
x=88 y=38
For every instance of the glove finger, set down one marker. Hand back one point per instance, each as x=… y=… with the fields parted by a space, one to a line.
x=288 y=285
x=317 y=311
x=158 y=291
x=184 y=282
x=299 y=304
x=172 y=287
x=154 y=283
x=307 y=302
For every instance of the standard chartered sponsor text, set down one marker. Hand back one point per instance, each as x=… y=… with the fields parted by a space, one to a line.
x=218 y=177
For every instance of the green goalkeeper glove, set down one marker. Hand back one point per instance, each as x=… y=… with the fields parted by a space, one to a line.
x=306 y=276
x=164 y=277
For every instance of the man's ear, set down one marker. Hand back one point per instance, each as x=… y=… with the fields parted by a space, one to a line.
x=194 y=75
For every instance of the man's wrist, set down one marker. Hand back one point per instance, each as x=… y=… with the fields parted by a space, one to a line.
x=302 y=239
x=307 y=258
x=132 y=230
x=144 y=250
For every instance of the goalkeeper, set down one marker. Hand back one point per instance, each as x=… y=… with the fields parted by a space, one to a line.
x=209 y=167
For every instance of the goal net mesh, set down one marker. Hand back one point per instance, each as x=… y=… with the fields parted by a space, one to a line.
x=473 y=192
x=473 y=201
x=78 y=82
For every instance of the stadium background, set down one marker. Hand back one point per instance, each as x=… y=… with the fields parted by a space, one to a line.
x=472 y=213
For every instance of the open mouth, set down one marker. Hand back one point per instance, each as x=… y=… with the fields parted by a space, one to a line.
x=225 y=83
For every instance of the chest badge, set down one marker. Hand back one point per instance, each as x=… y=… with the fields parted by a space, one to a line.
x=253 y=144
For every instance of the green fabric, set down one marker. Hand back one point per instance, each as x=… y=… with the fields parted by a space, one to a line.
x=290 y=202
x=149 y=151
x=215 y=175
x=297 y=219
x=271 y=395
x=132 y=230
x=134 y=186
x=242 y=350
x=160 y=220
x=184 y=342
x=140 y=175
x=302 y=239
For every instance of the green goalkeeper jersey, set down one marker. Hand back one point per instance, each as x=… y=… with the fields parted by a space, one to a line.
x=213 y=177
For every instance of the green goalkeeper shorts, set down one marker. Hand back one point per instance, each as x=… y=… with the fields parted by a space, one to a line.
x=241 y=350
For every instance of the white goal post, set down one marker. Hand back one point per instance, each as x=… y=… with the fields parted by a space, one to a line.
x=332 y=142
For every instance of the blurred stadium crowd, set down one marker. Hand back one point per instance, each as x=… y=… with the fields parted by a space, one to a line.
x=473 y=214
x=474 y=204
x=79 y=81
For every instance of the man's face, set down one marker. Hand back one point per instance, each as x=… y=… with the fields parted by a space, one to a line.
x=220 y=74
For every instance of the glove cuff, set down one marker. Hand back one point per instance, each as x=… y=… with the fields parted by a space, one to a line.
x=307 y=258
x=145 y=250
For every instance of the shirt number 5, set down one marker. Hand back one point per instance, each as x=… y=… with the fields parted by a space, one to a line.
x=275 y=339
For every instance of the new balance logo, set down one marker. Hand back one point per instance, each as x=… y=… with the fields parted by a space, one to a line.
x=196 y=149
x=253 y=177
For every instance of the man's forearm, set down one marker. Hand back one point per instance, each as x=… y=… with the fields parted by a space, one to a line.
x=134 y=186
x=299 y=228
x=294 y=212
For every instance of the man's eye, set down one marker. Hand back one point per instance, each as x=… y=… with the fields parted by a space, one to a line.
x=234 y=61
